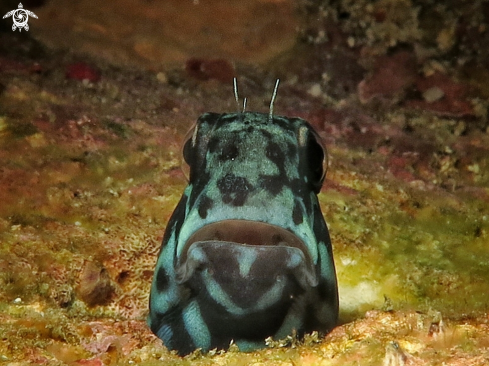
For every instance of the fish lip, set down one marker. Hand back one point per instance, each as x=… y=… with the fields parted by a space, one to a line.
x=247 y=233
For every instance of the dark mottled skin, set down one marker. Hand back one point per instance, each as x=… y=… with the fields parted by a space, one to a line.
x=246 y=254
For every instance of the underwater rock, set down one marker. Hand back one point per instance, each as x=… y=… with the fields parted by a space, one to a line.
x=95 y=287
x=390 y=77
x=205 y=69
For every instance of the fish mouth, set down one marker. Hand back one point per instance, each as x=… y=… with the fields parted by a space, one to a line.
x=259 y=250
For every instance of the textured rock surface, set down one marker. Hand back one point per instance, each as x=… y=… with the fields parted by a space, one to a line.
x=90 y=173
x=159 y=33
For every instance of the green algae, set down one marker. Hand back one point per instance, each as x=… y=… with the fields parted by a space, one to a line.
x=432 y=255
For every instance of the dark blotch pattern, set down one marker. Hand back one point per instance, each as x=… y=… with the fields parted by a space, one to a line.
x=176 y=220
x=275 y=154
x=224 y=326
x=229 y=152
x=234 y=189
x=184 y=343
x=287 y=159
x=324 y=291
x=272 y=183
x=205 y=205
x=297 y=214
x=213 y=144
x=162 y=280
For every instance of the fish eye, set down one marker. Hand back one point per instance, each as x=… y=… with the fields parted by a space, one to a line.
x=318 y=156
x=185 y=153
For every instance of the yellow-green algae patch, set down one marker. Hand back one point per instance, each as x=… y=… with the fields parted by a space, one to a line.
x=399 y=247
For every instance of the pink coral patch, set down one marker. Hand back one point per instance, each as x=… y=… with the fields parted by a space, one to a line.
x=82 y=71
x=390 y=77
x=454 y=101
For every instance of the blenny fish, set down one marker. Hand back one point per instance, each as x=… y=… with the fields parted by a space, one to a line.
x=246 y=254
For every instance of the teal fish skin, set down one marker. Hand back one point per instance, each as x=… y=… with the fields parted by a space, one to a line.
x=246 y=254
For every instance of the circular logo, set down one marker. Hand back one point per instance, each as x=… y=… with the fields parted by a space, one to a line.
x=20 y=17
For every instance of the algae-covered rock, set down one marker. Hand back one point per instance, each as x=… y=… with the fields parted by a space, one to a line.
x=90 y=174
